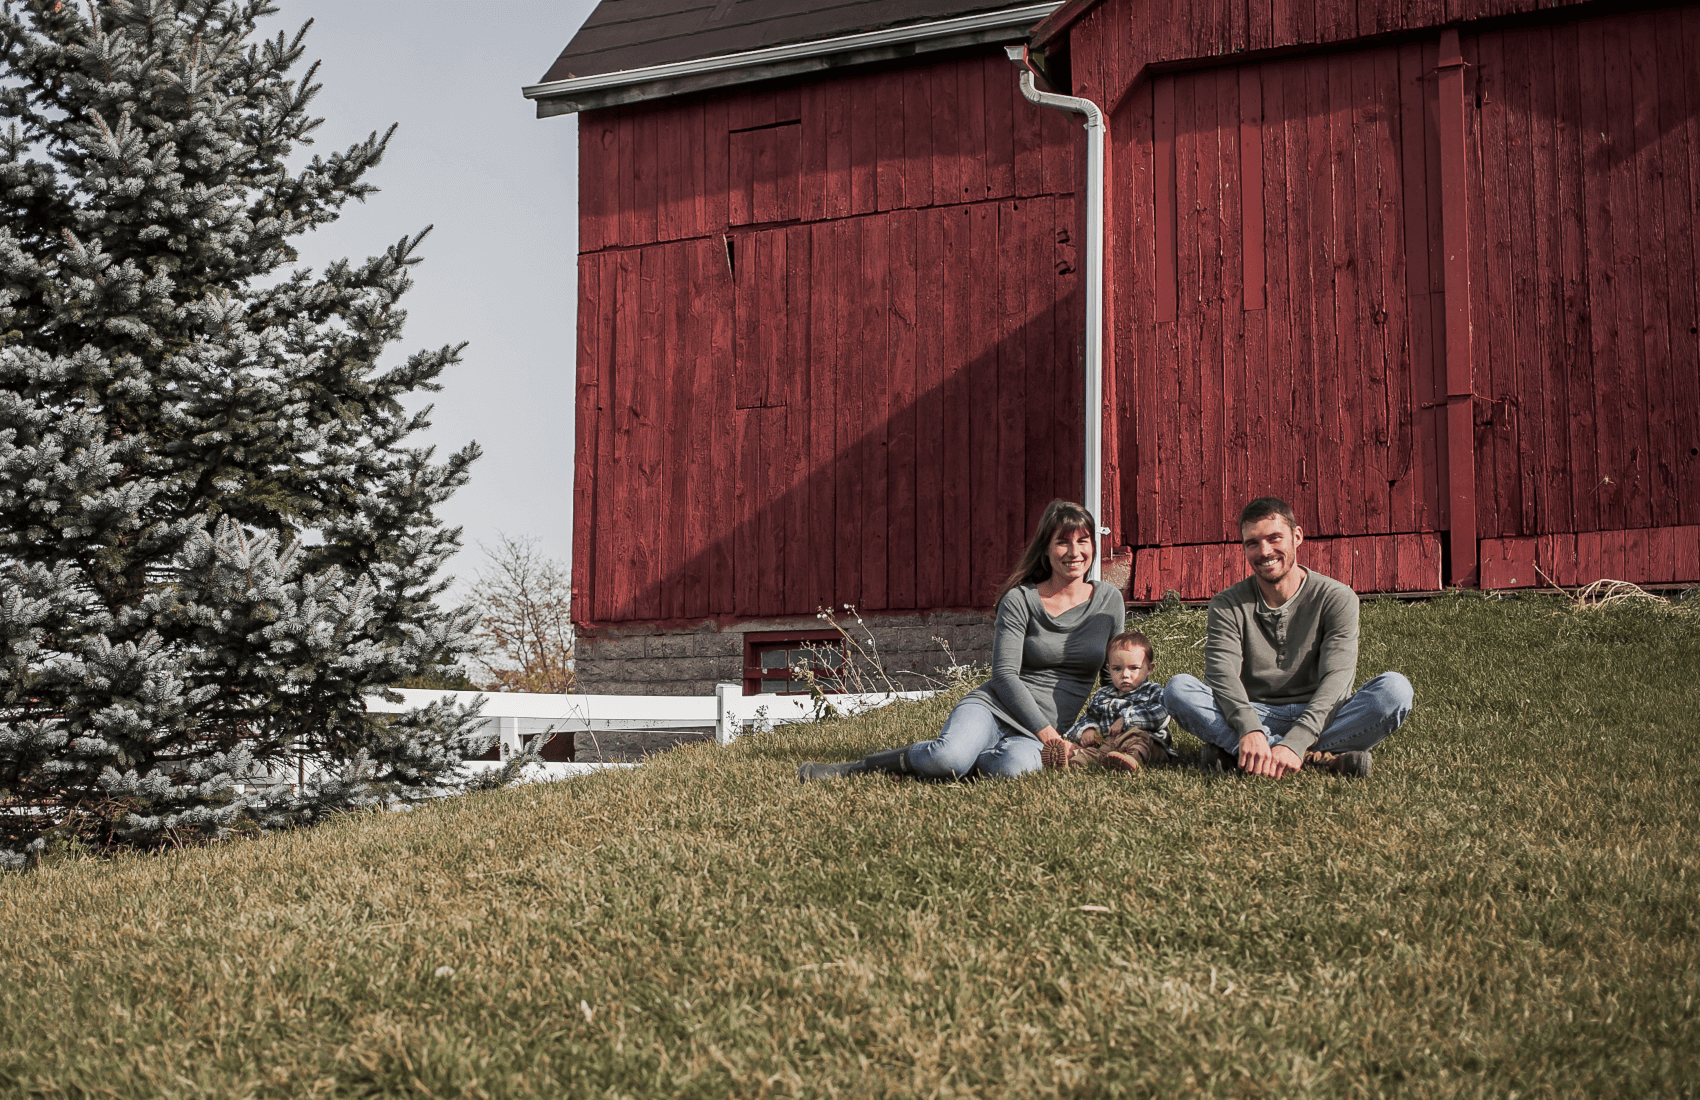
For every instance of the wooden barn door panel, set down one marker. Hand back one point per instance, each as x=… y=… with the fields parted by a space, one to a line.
x=660 y=481
x=871 y=411
x=905 y=399
x=771 y=324
x=1289 y=349
x=1585 y=156
x=1548 y=176
x=597 y=277
x=765 y=173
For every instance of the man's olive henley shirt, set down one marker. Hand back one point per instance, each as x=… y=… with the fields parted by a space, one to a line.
x=1305 y=651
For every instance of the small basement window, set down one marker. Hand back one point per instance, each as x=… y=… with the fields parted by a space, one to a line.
x=771 y=662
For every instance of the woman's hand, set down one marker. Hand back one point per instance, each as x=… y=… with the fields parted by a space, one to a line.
x=1049 y=734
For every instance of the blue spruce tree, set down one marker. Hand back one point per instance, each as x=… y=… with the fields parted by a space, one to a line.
x=215 y=535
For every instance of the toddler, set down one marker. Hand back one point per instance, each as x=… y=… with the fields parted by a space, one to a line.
x=1125 y=724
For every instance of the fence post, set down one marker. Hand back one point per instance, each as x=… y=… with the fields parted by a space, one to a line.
x=725 y=721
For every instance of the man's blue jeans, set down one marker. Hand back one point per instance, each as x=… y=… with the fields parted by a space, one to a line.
x=975 y=739
x=1362 y=722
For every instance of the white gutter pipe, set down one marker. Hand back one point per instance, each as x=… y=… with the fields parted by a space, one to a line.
x=1093 y=493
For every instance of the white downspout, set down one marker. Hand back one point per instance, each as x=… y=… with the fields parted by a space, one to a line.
x=1094 y=484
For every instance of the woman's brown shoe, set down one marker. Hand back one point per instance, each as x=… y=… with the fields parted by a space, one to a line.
x=1057 y=755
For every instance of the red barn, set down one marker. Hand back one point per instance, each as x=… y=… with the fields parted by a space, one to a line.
x=1426 y=269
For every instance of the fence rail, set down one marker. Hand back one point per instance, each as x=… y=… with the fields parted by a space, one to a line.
x=518 y=716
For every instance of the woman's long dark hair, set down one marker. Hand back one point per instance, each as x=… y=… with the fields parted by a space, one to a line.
x=1035 y=564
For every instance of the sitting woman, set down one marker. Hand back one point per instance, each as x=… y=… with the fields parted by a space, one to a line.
x=1047 y=646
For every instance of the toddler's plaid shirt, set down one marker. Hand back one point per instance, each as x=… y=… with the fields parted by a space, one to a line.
x=1141 y=708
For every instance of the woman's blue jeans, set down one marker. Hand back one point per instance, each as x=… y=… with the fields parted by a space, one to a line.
x=975 y=739
x=1363 y=721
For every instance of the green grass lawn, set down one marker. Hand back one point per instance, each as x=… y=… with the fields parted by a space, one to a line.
x=1510 y=905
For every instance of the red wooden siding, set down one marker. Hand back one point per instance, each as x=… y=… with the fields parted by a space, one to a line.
x=829 y=330
x=1111 y=45
x=764 y=177
x=1583 y=155
x=829 y=345
x=1283 y=325
x=1312 y=386
x=903 y=139
x=1377 y=563
x=1661 y=555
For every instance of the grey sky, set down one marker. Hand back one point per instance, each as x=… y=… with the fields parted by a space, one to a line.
x=501 y=188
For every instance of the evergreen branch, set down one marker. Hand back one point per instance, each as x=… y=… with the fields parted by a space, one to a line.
x=215 y=536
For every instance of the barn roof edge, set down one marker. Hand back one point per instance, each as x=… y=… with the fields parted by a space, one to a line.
x=680 y=77
x=1054 y=25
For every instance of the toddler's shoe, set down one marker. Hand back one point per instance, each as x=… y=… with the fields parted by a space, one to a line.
x=1133 y=750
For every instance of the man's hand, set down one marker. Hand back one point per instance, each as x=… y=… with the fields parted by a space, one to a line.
x=1257 y=758
x=1049 y=734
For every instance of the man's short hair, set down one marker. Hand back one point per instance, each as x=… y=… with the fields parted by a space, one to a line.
x=1264 y=507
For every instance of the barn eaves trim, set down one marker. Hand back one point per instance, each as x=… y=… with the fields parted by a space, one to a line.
x=585 y=93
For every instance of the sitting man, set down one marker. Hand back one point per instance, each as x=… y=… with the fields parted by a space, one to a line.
x=1279 y=660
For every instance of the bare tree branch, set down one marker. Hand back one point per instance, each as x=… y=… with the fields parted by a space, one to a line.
x=524 y=602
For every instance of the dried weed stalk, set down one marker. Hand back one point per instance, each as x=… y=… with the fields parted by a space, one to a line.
x=860 y=669
x=1603 y=593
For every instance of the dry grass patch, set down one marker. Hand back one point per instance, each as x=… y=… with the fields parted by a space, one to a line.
x=1508 y=905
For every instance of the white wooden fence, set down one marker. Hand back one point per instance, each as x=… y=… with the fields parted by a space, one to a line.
x=518 y=716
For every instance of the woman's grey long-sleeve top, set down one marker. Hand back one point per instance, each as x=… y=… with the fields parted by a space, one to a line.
x=1043 y=666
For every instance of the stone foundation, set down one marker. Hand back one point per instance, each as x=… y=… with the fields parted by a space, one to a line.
x=650 y=659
